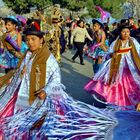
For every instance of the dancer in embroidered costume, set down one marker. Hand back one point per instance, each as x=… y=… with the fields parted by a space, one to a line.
x=34 y=105
x=97 y=50
x=12 y=47
x=118 y=80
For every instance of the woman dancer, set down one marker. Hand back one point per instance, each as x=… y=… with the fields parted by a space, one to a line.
x=34 y=105
x=12 y=47
x=98 y=49
x=118 y=80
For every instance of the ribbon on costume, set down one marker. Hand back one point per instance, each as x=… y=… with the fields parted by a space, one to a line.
x=104 y=14
x=12 y=42
x=124 y=50
x=92 y=48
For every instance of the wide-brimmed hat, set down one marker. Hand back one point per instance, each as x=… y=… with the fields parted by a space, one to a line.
x=13 y=19
x=22 y=19
x=125 y=23
x=98 y=22
x=33 y=27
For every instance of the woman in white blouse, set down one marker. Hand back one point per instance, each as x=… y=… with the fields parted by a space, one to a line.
x=78 y=39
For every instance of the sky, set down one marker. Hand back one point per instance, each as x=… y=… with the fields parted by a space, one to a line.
x=1 y=3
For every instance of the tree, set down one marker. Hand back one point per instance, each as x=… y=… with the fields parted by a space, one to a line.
x=134 y=4
x=4 y=11
x=112 y=6
x=73 y=5
x=24 y=6
x=115 y=7
x=91 y=8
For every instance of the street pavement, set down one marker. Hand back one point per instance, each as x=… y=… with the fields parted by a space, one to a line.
x=75 y=76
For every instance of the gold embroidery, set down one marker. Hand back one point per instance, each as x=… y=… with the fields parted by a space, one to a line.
x=38 y=73
x=23 y=72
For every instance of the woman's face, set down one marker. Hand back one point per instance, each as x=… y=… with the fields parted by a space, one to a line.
x=10 y=26
x=125 y=34
x=81 y=24
x=34 y=42
x=96 y=27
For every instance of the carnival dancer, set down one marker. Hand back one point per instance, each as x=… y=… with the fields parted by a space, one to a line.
x=98 y=49
x=131 y=20
x=12 y=47
x=56 y=39
x=136 y=33
x=2 y=27
x=56 y=33
x=118 y=79
x=78 y=39
x=34 y=105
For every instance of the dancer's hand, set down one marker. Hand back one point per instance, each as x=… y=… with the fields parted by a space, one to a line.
x=18 y=54
x=138 y=107
x=42 y=95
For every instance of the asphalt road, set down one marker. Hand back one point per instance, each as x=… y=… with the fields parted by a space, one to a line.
x=75 y=76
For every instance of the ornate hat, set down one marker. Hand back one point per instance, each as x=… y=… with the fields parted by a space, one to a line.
x=97 y=21
x=13 y=19
x=22 y=20
x=33 y=27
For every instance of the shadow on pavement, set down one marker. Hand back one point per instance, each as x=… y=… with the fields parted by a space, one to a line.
x=74 y=77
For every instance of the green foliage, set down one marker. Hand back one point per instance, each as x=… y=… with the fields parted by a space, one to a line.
x=91 y=9
x=23 y=6
x=73 y=5
x=112 y=6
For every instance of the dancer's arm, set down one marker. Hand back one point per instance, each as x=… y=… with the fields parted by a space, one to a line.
x=19 y=39
x=102 y=43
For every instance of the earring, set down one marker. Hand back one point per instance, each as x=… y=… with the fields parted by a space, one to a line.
x=40 y=45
